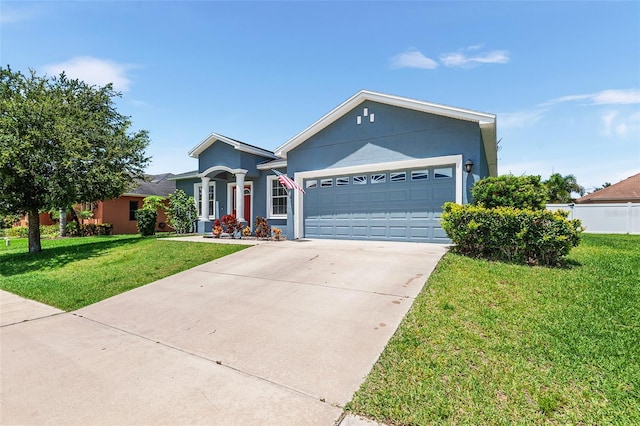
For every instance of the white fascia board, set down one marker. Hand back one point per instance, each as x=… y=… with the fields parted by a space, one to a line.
x=490 y=142
x=193 y=175
x=275 y=164
x=364 y=95
x=213 y=137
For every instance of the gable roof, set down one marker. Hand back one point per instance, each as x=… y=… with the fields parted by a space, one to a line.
x=486 y=121
x=154 y=185
x=627 y=190
x=236 y=144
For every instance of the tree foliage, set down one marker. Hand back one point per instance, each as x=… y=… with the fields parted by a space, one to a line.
x=521 y=192
x=62 y=141
x=560 y=188
x=181 y=212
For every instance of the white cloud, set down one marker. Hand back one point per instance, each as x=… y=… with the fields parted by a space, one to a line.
x=94 y=71
x=605 y=97
x=413 y=59
x=620 y=125
x=461 y=59
x=608 y=97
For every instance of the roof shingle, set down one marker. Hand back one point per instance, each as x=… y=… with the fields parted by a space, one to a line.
x=624 y=191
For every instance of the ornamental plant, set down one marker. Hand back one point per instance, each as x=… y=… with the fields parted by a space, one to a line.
x=277 y=232
x=262 y=227
x=217 y=228
x=230 y=224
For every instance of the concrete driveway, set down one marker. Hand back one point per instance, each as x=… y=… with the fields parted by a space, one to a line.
x=280 y=333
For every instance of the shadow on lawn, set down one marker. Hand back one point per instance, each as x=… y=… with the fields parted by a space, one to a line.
x=56 y=257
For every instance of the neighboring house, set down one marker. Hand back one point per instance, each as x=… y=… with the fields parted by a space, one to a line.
x=376 y=167
x=626 y=191
x=120 y=212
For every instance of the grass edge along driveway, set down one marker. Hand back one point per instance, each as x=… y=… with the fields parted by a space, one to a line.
x=493 y=343
x=71 y=273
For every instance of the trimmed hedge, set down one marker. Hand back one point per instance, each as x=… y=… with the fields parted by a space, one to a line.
x=536 y=237
x=521 y=192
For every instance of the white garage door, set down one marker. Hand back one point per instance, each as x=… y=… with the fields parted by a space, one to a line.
x=402 y=205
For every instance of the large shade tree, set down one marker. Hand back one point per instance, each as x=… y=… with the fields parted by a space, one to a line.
x=62 y=141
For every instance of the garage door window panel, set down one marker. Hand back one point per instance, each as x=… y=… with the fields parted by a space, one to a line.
x=378 y=178
x=360 y=180
x=443 y=173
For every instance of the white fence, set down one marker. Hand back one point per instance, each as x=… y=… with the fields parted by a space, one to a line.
x=621 y=218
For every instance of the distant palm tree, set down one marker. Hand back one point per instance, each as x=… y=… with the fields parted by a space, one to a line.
x=561 y=187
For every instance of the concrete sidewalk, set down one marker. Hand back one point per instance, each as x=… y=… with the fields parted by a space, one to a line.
x=280 y=333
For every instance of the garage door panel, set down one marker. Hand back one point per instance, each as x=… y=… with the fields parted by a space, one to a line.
x=419 y=232
x=359 y=231
x=398 y=232
x=406 y=210
x=395 y=196
x=378 y=231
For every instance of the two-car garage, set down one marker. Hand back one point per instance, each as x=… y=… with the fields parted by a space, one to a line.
x=401 y=204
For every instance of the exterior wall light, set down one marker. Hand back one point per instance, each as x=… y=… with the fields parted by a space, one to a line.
x=468 y=166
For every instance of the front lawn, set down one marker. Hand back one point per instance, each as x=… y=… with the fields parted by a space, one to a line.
x=71 y=273
x=492 y=343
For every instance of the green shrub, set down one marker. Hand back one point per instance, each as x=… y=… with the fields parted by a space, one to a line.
x=88 y=230
x=535 y=237
x=521 y=192
x=181 y=212
x=46 y=231
x=18 y=232
x=146 y=221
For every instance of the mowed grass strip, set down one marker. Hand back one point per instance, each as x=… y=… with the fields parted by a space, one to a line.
x=493 y=343
x=71 y=273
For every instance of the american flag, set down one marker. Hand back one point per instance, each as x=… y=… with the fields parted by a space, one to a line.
x=287 y=182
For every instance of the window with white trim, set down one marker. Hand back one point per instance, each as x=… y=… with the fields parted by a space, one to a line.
x=277 y=197
x=326 y=183
x=197 y=190
x=311 y=184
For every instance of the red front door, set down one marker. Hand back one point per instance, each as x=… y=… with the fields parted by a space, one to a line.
x=247 y=202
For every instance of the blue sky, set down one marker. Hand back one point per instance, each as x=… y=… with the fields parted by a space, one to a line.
x=562 y=77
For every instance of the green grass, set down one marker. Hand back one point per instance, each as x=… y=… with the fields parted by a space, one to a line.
x=492 y=343
x=71 y=273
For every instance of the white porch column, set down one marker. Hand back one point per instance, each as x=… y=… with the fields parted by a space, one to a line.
x=240 y=196
x=204 y=199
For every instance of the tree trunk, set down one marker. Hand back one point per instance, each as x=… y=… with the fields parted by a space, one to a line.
x=75 y=218
x=62 y=213
x=34 y=231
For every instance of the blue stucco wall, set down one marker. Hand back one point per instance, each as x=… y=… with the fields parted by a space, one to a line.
x=397 y=134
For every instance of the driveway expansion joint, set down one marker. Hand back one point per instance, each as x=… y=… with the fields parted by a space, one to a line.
x=333 y=287
x=213 y=361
